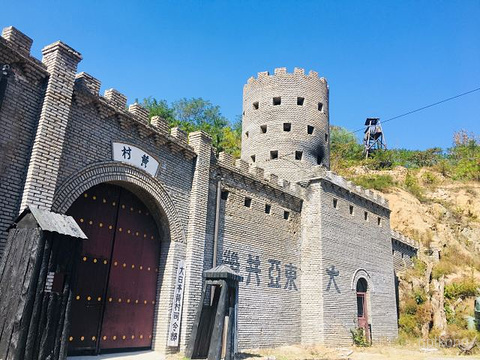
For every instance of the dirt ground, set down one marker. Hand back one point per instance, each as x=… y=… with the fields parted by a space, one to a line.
x=395 y=352
x=410 y=352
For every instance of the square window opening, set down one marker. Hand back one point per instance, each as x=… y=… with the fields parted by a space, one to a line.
x=274 y=154
x=335 y=203
x=286 y=215
x=287 y=126
x=298 y=155
x=268 y=208
x=277 y=100
x=300 y=101
x=224 y=195
x=247 y=202
x=263 y=129
x=310 y=129
x=255 y=105
x=320 y=106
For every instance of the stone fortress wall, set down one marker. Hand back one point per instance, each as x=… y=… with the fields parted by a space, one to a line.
x=284 y=222
x=285 y=116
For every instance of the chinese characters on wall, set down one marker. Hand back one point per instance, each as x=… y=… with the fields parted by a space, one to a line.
x=137 y=157
x=174 y=331
x=277 y=274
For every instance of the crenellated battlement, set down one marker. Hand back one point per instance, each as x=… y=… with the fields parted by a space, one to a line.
x=258 y=174
x=355 y=189
x=17 y=39
x=263 y=75
x=397 y=236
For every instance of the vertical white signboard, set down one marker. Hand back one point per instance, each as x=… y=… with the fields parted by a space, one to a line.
x=174 y=330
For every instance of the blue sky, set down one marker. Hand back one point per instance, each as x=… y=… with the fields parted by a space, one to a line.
x=381 y=58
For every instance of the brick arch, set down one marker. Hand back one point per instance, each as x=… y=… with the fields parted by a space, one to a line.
x=114 y=172
x=359 y=274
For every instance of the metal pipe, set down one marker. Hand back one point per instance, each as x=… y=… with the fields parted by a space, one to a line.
x=217 y=221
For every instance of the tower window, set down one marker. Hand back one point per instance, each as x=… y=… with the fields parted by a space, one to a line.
x=246 y=134
x=224 y=195
x=263 y=129
x=253 y=158
x=379 y=221
x=320 y=106
x=255 y=105
x=247 y=202
x=351 y=209
x=268 y=208
x=300 y=101
x=326 y=137
x=365 y=215
x=277 y=100
x=335 y=203
x=287 y=126
x=310 y=129
x=274 y=154
x=286 y=215
x=319 y=159
x=298 y=155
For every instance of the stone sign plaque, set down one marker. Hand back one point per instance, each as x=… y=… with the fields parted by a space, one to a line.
x=174 y=330
x=137 y=157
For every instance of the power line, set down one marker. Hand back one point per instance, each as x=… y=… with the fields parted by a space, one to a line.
x=424 y=107
x=398 y=116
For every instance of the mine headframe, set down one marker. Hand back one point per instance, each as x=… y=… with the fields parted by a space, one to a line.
x=373 y=138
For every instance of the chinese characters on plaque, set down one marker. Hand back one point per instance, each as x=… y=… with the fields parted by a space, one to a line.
x=174 y=330
x=137 y=157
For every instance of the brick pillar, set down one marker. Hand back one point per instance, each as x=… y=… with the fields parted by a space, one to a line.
x=196 y=232
x=61 y=62
x=312 y=267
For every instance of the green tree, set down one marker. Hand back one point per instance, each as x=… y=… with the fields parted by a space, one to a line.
x=344 y=148
x=159 y=108
x=465 y=156
x=198 y=114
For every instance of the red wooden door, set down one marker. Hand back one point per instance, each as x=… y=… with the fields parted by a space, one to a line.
x=362 y=313
x=131 y=294
x=115 y=291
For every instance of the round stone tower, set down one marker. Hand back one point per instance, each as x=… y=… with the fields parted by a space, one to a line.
x=285 y=126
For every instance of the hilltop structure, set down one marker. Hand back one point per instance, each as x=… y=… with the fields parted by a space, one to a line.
x=158 y=209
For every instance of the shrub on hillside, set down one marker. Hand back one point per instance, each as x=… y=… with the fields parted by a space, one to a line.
x=464 y=288
x=377 y=182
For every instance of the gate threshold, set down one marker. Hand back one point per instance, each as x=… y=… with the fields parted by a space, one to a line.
x=137 y=355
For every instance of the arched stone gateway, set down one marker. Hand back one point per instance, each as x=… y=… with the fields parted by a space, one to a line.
x=121 y=181
x=115 y=287
x=142 y=184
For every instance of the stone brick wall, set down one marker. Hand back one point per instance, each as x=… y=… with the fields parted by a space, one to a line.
x=259 y=236
x=19 y=113
x=355 y=240
x=300 y=246
x=297 y=127
x=403 y=253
